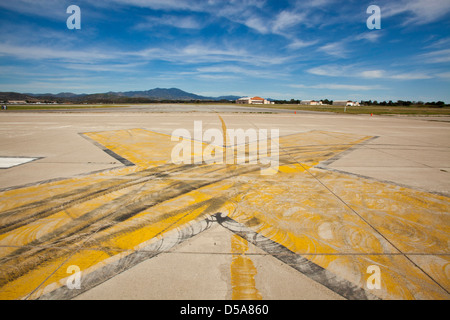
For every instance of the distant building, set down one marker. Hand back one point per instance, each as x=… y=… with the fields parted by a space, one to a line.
x=16 y=102
x=347 y=103
x=311 y=103
x=254 y=100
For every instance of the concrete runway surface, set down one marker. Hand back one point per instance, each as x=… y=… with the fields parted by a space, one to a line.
x=92 y=207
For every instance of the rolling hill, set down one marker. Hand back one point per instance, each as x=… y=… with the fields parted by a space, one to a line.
x=157 y=94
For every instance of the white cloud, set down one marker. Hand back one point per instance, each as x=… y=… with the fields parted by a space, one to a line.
x=159 y=4
x=445 y=75
x=337 y=49
x=438 y=56
x=411 y=76
x=329 y=70
x=257 y=24
x=250 y=13
x=40 y=53
x=315 y=3
x=335 y=86
x=172 y=21
x=444 y=42
x=341 y=48
x=354 y=71
x=373 y=74
x=287 y=19
x=297 y=44
x=216 y=77
x=208 y=53
x=369 y=36
x=109 y=67
x=53 y=9
x=420 y=11
x=240 y=71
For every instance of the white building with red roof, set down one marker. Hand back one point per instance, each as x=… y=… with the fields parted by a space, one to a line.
x=254 y=100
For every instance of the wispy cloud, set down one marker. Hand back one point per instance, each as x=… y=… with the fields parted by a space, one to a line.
x=369 y=36
x=238 y=71
x=411 y=76
x=172 y=21
x=217 y=77
x=336 y=86
x=444 y=75
x=444 y=42
x=373 y=74
x=204 y=53
x=437 y=56
x=287 y=19
x=355 y=71
x=51 y=9
x=419 y=12
x=159 y=4
x=100 y=57
x=297 y=44
x=337 y=49
x=109 y=67
x=53 y=53
x=256 y=23
x=344 y=47
x=244 y=12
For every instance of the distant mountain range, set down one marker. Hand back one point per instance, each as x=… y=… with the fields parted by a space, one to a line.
x=157 y=94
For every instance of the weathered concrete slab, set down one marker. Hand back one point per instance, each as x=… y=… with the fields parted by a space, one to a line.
x=351 y=192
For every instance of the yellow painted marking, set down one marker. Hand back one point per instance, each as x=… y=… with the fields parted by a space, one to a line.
x=126 y=236
x=139 y=146
x=224 y=132
x=90 y=220
x=243 y=272
x=162 y=218
x=41 y=192
x=43 y=227
x=304 y=218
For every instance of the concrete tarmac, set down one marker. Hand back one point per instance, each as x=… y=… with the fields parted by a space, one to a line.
x=358 y=209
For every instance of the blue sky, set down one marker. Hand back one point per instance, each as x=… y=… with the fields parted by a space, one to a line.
x=275 y=49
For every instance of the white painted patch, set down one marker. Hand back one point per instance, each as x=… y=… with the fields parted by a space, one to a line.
x=326 y=231
x=9 y=162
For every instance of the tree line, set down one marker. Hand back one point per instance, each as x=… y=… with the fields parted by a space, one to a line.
x=398 y=103
x=402 y=103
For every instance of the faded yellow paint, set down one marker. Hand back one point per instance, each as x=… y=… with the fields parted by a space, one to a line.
x=143 y=148
x=41 y=228
x=127 y=236
x=14 y=198
x=87 y=260
x=137 y=145
x=295 y=167
x=224 y=132
x=344 y=228
x=160 y=219
x=305 y=219
x=243 y=272
x=50 y=273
